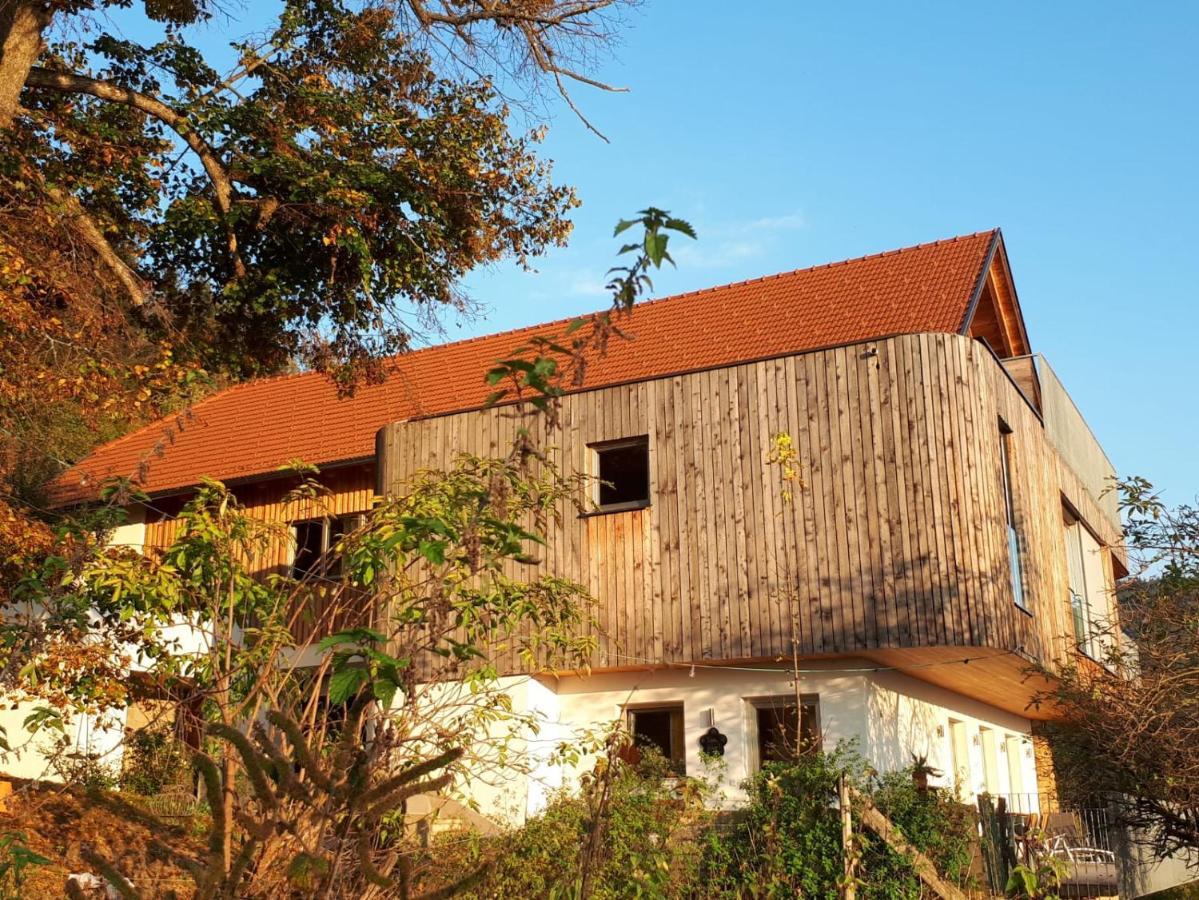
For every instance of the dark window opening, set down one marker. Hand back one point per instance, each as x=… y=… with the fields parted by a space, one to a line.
x=316 y=540
x=661 y=729
x=779 y=726
x=623 y=473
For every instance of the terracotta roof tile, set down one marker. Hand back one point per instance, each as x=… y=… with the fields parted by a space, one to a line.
x=254 y=428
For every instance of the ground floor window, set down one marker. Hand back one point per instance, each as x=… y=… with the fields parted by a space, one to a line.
x=659 y=727
x=785 y=729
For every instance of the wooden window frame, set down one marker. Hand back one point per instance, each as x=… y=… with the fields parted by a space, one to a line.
x=678 y=730
x=754 y=705
x=595 y=450
x=324 y=567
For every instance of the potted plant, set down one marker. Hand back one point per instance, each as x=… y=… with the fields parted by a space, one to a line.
x=922 y=771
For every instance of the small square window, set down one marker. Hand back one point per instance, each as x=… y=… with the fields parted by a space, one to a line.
x=315 y=541
x=623 y=470
x=661 y=728
x=779 y=728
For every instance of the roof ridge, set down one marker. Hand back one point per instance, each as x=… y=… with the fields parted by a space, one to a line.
x=656 y=301
x=405 y=387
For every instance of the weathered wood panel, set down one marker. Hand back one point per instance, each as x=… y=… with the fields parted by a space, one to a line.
x=895 y=539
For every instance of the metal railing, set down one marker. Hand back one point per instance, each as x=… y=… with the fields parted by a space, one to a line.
x=1026 y=828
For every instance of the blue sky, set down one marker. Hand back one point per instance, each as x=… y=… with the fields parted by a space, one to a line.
x=795 y=133
x=806 y=132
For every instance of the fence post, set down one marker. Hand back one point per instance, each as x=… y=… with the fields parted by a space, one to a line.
x=849 y=888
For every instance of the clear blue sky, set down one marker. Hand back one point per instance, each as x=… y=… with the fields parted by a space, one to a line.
x=795 y=133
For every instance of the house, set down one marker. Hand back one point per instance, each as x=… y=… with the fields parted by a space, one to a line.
x=951 y=526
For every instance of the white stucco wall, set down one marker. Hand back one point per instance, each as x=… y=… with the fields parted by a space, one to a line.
x=133 y=532
x=594 y=701
x=892 y=716
x=908 y=716
x=514 y=724
x=30 y=756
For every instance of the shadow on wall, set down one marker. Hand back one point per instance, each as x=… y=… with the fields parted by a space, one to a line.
x=899 y=726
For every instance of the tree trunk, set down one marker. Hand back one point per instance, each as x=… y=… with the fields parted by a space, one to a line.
x=21 y=25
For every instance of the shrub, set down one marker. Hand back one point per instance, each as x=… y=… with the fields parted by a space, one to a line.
x=936 y=824
x=787 y=840
x=646 y=850
x=658 y=842
x=153 y=761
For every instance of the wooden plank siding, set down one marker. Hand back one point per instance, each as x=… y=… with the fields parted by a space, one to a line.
x=896 y=539
x=892 y=547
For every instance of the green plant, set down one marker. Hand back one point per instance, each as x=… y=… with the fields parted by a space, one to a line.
x=1039 y=881
x=921 y=771
x=15 y=859
x=153 y=761
x=787 y=840
x=935 y=823
x=643 y=849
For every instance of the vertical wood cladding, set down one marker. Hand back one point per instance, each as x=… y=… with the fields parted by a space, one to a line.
x=351 y=490
x=895 y=538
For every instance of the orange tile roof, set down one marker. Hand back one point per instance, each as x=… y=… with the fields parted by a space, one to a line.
x=254 y=428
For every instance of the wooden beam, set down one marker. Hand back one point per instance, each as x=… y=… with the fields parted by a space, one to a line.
x=884 y=828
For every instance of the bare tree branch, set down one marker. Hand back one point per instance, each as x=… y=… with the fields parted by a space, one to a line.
x=87 y=228
x=540 y=26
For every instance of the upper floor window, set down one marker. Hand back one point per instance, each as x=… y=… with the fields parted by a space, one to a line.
x=315 y=540
x=1009 y=509
x=623 y=470
x=1089 y=589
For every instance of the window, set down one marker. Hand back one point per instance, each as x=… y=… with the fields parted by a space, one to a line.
x=990 y=760
x=660 y=727
x=1015 y=772
x=315 y=539
x=778 y=726
x=623 y=470
x=1090 y=595
x=959 y=752
x=1009 y=504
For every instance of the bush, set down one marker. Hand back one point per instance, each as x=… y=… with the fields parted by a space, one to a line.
x=936 y=824
x=658 y=842
x=787 y=841
x=153 y=761
x=645 y=852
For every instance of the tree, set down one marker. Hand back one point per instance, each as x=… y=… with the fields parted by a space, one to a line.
x=340 y=178
x=1129 y=729
x=428 y=590
x=166 y=228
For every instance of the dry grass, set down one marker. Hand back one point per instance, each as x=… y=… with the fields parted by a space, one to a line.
x=58 y=821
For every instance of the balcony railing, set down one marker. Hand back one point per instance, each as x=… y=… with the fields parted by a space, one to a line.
x=1023 y=829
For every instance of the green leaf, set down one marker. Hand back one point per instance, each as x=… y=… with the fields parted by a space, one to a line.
x=44 y=717
x=385 y=691
x=681 y=226
x=433 y=551
x=345 y=684
x=624 y=225
x=352 y=636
